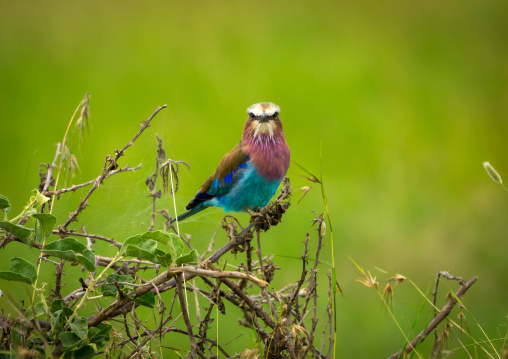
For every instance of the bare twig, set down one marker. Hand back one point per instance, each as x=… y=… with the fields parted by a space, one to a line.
x=58 y=281
x=109 y=165
x=49 y=174
x=330 y=317
x=203 y=326
x=185 y=314
x=312 y=288
x=210 y=246
x=296 y=290
x=224 y=274
x=151 y=181
x=88 y=183
x=445 y=311
x=166 y=277
x=68 y=233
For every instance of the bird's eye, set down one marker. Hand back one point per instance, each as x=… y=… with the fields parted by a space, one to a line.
x=252 y=115
x=275 y=114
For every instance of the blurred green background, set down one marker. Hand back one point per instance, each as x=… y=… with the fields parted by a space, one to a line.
x=407 y=98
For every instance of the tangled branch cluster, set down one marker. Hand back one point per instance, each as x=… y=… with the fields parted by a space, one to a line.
x=284 y=320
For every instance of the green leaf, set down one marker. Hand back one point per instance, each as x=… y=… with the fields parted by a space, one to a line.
x=21 y=232
x=159 y=236
x=105 y=328
x=148 y=251
x=15 y=277
x=58 y=319
x=146 y=246
x=111 y=290
x=108 y=290
x=177 y=243
x=71 y=249
x=80 y=327
x=162 y=237
x=37 y=199
x=15 y=351
x=58 y=304
x=146 y=299
x=189 y=258
x=92 y=332
x=17 y=333
x=64 y=245
x=85 y=352
x=5 y=205
x=35 y=311
x=21 y=271
x=44 y=224
x=88 y=260
x=69 y=341
x=99 y=333
x=145 y=249
x=24 y=267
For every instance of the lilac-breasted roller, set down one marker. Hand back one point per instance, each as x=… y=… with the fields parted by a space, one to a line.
x=249 y=175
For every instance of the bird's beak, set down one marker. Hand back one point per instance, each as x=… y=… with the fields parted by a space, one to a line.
x=263 y=118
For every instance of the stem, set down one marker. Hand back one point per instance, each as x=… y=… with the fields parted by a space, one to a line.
x=185 y=314
x=91 y=286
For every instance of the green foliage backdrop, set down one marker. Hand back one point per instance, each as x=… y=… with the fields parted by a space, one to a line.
x=407 y=98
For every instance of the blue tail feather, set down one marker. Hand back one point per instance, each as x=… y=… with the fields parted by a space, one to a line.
x=192 y=212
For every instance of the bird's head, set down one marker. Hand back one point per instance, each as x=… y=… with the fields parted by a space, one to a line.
x=263 y=120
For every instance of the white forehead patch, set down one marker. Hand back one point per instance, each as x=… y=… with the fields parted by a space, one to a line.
x=266 y=108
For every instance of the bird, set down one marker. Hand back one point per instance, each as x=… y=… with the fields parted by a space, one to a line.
x=248 y=176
